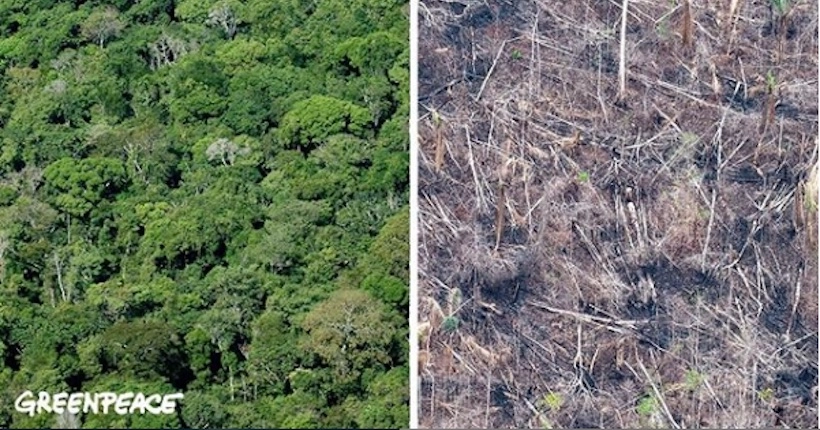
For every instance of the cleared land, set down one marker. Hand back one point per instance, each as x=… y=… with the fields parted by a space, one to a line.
x=618 y=222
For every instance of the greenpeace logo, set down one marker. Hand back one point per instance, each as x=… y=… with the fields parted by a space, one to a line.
x=97 y=403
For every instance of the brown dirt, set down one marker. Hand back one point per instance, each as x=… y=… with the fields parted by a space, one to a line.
x=595 y=259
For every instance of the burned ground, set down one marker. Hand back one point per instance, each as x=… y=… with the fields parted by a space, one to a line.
x=598 y=257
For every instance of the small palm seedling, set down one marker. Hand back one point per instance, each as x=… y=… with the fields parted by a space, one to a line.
x=771 y=81
x=662 y=28
x=771 y=101
x=647 y=406
x=780 y=6
x=689 y=138
x=662 y=25
x=649 y=411
x=450 y=324
x=766 y=395
x=553 y=401
x=779 y=12
x=693 y=379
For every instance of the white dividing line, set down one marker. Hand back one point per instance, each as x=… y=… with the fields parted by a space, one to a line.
x=414 y=214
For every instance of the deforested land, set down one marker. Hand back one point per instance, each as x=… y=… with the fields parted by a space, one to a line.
x=206 y=197
x=618 y=214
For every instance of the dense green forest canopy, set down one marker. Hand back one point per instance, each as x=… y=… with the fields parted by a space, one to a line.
x=207 y=197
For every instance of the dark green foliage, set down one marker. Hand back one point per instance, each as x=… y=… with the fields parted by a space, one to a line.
x=193 y=196
x=372 y=54
x=78 y=186
x=204 y=410
x=143 y=348
x=311 y=121
x=386 y=405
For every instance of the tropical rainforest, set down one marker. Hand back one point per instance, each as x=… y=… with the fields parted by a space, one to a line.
x=206 y=197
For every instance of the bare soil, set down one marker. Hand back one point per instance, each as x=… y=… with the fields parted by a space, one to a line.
x=596 y=257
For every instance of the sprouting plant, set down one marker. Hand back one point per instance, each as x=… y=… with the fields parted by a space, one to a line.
x=771 y=81
x=454 y=300
x=693 y=379
x=689 y=138
x=810 y=202
x=545 y=423
x=662 y=28
x=781 y=6
x=516 y=54
x=583 y=177
x=647 y=406
x=766 y=395
x=450 y=324
x=436 y=118
x=553 y=401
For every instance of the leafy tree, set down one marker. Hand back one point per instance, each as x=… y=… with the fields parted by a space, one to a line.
x=241 y=54
x=372 y=54
x=391 y=249
x=193 y=11
x=386 y=403
x=143 y=348
x=202 y=228
x=295 y=411
x=350 y=331
x=77 y=186
x=312 y=120
x=148 y=154
x=204 y=410
x=223 y=15
x=273 y=353
x=149 y=11
x=102 y=25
